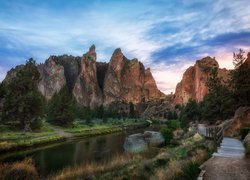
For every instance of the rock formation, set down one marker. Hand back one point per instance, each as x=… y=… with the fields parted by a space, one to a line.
x=241 y=119
x=193 y=83
x=118 y=82
x=127 y=80
x=86 y=90
x=52 y=78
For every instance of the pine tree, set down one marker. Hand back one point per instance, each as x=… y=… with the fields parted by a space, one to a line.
x=61 y=108
x=23 y=103
x=240 y=81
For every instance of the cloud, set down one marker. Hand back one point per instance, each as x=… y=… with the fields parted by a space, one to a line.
x=166 y=38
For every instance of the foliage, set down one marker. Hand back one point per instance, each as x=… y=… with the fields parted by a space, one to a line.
x=240 y=81
x=23 y=102
x=190 y=112
x=61 y=108
x=189 y=171
x=217 y=105
x=167 y=134
x=172 y=115
x=131 y=110
x=173 y=124
x=19 y=170
x=244 y=132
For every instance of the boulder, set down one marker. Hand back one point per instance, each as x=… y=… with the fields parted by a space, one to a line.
x=135 y=143
x=241 y=119
x=153 y=138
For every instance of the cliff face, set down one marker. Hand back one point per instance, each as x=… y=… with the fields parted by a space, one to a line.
x=127 y=80
x=193 y=83
x=86 y=89
x=96 y=83
x=52 y=78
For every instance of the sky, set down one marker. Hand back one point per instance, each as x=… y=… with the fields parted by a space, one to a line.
x=167 y=36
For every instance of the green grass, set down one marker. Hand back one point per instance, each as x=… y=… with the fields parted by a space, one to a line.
x=15 y=139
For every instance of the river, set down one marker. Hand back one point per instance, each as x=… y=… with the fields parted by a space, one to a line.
x=51 y=159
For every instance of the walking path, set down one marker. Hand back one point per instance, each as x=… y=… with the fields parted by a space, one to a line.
x=61 y=132
x=228 y=163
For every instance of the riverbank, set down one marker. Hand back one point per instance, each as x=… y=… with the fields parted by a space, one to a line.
x=178 y=162
x=13 y=140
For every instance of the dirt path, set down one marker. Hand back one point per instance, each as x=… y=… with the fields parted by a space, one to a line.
x=224 y=168
x=61 y=132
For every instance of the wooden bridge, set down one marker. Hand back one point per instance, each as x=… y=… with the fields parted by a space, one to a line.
x=216 y=132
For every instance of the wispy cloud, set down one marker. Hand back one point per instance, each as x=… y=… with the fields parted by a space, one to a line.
x=166 y=38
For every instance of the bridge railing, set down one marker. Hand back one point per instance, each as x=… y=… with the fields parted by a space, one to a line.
x=217 y=132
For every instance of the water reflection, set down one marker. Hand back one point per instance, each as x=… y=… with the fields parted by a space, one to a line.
x=81 y=151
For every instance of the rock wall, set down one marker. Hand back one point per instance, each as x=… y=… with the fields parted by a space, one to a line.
x=86 y=89
x=52 y=78
x=193 y=83
x=127 y=80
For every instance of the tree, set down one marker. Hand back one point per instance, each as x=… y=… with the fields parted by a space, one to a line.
x=190 y=112
x=167 y=134
x=240 y=81
x=131 y=110
x=218 y=104
x=23 y=102
x=61 y=108
x=100 y=112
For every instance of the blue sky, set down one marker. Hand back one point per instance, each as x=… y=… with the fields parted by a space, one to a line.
x=166 y=35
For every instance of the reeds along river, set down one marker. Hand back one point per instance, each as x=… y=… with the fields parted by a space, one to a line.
x=76 y=152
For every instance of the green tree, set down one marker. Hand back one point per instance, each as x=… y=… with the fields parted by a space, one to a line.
x=218 y=104
x=167 y=134
x=100 y=112
x=132 y=110
x=240 y=81
x=23 y=102
x=61 y=108
x=190 y=112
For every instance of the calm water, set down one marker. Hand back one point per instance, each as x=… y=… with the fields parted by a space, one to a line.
x=75 y=152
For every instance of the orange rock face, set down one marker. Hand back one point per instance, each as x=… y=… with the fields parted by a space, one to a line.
x=193 y=83
x=86 y=89
x=127 y=80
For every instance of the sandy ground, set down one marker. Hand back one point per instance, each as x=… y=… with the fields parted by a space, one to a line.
x=220 y=168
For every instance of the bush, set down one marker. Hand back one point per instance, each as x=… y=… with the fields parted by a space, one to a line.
x=167 y=134
x=244 y=132
x=36 y=124
x=173 y=124
x=190 y=171
x=19 y=170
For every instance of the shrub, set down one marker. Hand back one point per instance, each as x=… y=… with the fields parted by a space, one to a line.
x=244 y=132
x=167 y=134
x=19 y=170
x=190 y=171
x=173 y=124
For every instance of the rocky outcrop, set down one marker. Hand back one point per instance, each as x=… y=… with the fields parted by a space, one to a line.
x=52 y=78
x=118 y=82
x=136 y=143
x=193 y=83
x=241 y=119
x=86 y=89
x=12 y=73
x=127 y=80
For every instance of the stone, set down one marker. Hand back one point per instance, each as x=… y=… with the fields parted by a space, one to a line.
x=241 y=119
x=153 y=138
x=135 y=143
